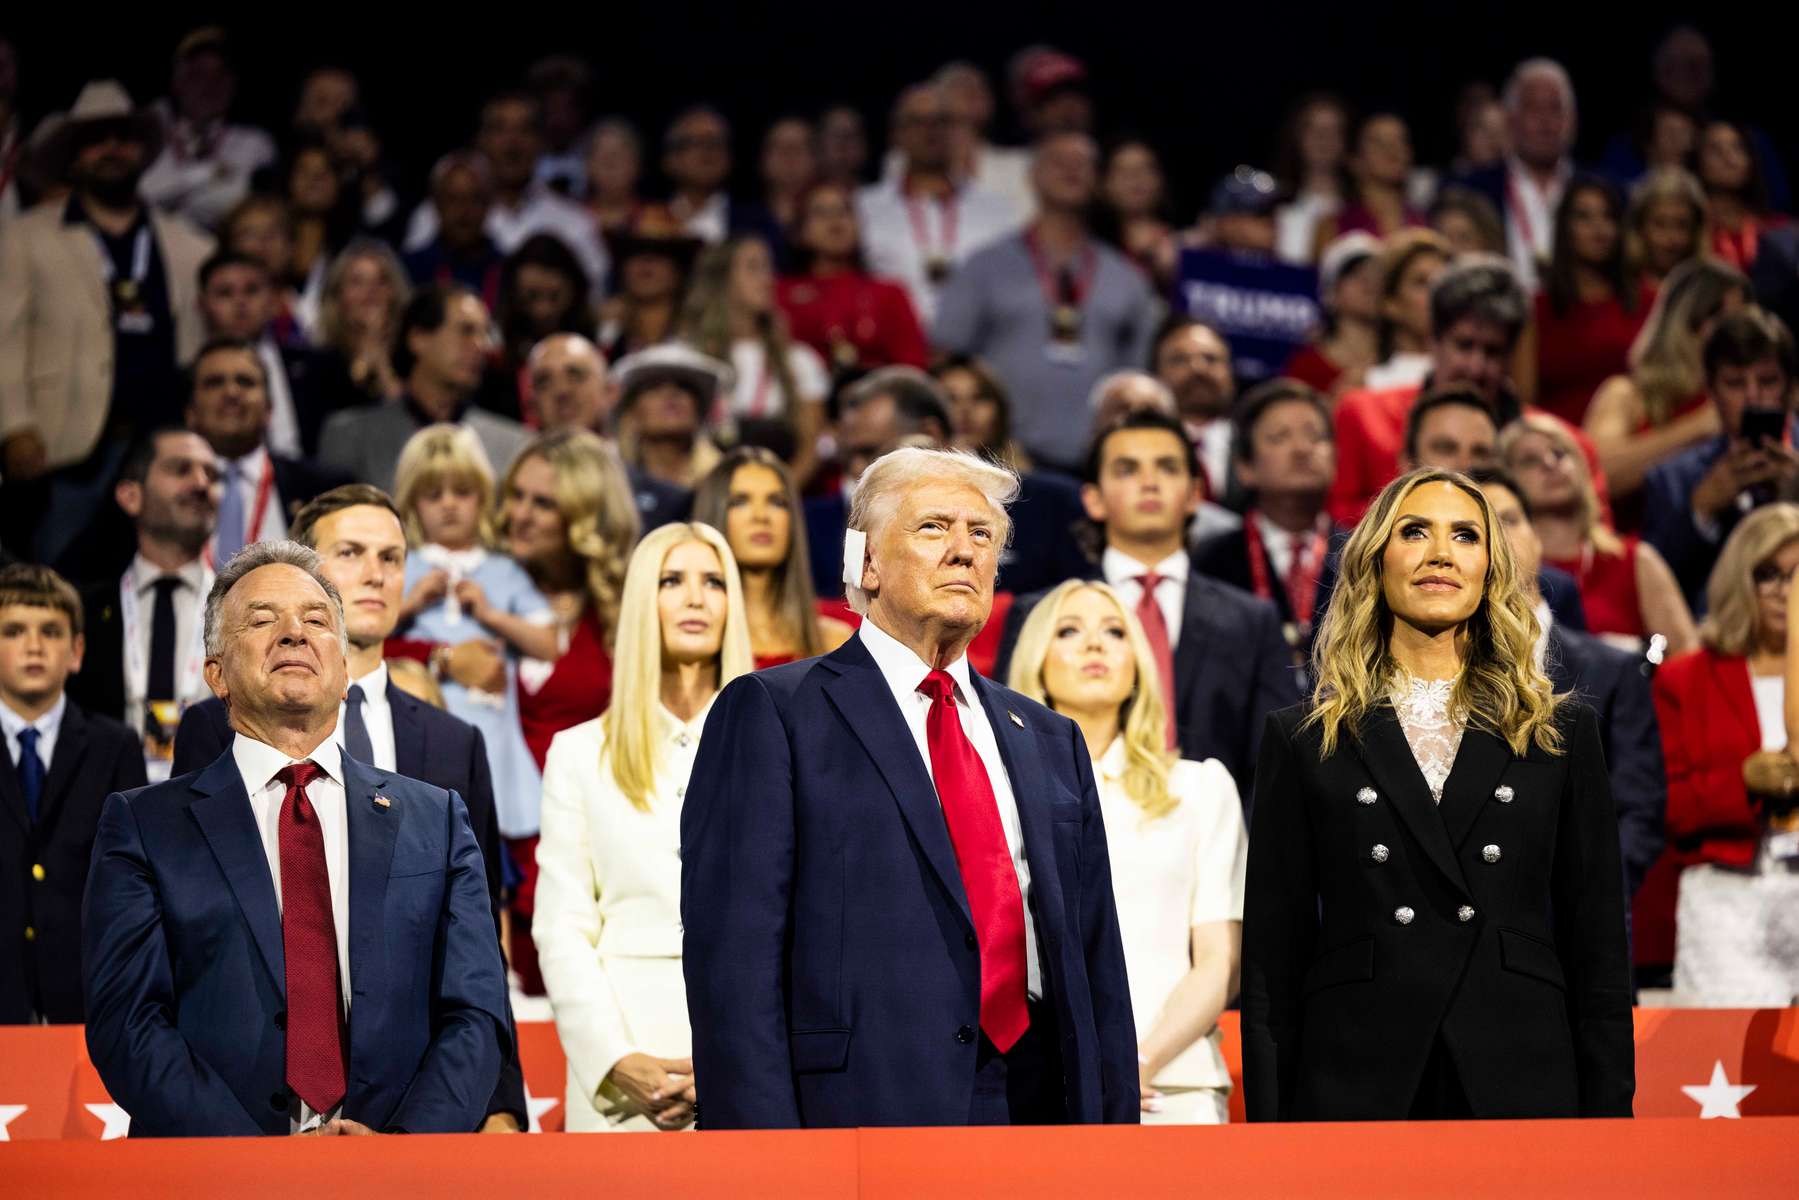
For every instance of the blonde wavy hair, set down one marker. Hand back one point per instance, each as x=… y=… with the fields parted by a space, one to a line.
x=1142 y=721
x=1501 y=689
x=1592 y=516
x=443 y=456
x=1665 y=361
x=599 y=512
x=334 y=325
x=633 y=744
x=1733 y=612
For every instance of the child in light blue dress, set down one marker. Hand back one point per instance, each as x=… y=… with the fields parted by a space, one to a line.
x=458 y=590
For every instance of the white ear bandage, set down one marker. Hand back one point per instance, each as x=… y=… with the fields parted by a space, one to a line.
x=855 y=549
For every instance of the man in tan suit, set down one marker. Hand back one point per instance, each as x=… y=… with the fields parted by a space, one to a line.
x=98 y=309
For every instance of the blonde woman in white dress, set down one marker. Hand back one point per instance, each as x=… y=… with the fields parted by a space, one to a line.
x=608 y=927
x=1174 y=834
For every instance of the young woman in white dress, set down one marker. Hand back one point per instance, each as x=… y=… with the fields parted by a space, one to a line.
x=1174 y=834
x=608 y=926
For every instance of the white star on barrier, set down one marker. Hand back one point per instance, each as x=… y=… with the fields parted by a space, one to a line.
x=537 y=1106
x=7 y=1113
x=1720 y=1097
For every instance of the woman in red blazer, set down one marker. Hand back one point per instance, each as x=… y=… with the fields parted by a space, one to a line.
x=1718 y=705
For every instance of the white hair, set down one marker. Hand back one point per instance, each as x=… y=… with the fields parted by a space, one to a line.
x=254 y=557
x=889 y=477
x=1544 y=68
x=1096 y=398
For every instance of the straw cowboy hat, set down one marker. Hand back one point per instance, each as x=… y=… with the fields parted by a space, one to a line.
x=102 y=102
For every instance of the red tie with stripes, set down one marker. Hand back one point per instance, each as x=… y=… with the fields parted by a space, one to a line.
x=315 y=1031
x=988 y=876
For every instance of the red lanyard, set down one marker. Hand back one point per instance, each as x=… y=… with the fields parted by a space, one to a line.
x=1301 y=584
x=1063 y=289
x=921 y=234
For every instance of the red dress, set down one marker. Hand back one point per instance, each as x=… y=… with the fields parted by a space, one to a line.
x=1580 y=349
x=579 y=689
x=1705 y=705
x=1608 y=589
x=836 y=314
x=1311 y=366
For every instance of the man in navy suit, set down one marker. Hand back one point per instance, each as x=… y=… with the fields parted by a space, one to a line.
x=356 y=531
x=291 y=940
x=1614 y=682
x=895 y=886
x=1227 y=664
x=897 y=406
x=1694 y=499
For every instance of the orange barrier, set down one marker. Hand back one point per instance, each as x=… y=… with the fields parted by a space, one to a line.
x=1508 y=1159
x=1690 y=1063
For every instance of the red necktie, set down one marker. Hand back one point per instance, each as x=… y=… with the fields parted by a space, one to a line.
x=988 y=876
x=1155 y=628
x=315 y=1033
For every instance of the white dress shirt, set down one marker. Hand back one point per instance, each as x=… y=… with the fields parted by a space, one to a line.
x=377 y=716
x=258 y=763
x=711 y=221
x=203 y=173
x=757 y=391
x=1399 y=370
x=1170 y=873
x=1530 y=218
x=1121 y=571
x=893 y=245
x=608 y=917
x=283 y=436
x=904 y=671
x=190 y=604
x=1212 y=442
x=47 y=726
x=249 y=471
x=1770 y=709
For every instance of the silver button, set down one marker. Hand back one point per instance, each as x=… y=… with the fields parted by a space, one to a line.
x=1464 y=914
x=1366 y=796
x=1403 y=915
x=1378 y=853
x=1490 y=853
x=1503 y=793
x=683 y=741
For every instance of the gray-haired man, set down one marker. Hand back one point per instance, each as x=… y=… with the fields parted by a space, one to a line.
x=290 y=941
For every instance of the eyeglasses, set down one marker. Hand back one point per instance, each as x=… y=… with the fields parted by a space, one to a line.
x=1770 y=579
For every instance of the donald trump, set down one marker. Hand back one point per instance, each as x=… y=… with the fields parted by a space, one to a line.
x=895 y=891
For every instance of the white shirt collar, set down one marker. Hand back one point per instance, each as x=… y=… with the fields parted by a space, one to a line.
x=144 y=573
x=903 y=669
x=1117 y=566
x=674 y=727
x=249 y=466
x=47 y=726
x=374 y=685
x=1112 y=763
x=258 y=762
x=464 y=562
x=1517 y=170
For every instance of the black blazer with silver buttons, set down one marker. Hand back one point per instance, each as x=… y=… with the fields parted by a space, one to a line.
x=1377 y=923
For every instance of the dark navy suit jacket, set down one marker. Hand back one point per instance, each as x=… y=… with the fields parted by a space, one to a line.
x=1616 y=685
x=429 y=745
x=1232 y=668
x=833 y=977
x=186 y=977
x=1668 y=518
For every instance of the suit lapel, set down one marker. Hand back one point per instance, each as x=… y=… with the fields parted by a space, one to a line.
x=12 y=792
x=372 y=829
x=860 y=694
x=1733 y=680
x=1382 y=747
x=1196 y=633
x=1023 y=760
x=1480 y=763
x=83 y=253
x=409 y=733
x=65 y=764
x=222 y=810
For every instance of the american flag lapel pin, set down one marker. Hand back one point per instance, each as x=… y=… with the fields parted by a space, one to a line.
x=382 y=801
x=1016 y=719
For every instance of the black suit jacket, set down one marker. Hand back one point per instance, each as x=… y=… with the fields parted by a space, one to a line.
x=1492 y=925
x=298 y=480
x=43 y=866
x=99 y=686
x=1616 y=684
x=1232 y=668
x=1225 y=557
x=429 y=745
x=659 y=503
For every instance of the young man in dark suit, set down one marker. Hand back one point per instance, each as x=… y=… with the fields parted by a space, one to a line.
x=357 y=533
x=1224 y=662
x=60 y=763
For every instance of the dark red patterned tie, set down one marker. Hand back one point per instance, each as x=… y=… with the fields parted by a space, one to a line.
x=315 y=1031
x=988 y=876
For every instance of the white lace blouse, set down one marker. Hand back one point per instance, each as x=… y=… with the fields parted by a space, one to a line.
x=1431 y=730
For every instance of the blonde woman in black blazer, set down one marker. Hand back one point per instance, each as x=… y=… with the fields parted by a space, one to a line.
x=1434 y=923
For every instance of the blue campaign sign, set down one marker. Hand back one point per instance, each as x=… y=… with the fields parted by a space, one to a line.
x=1265 y=308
